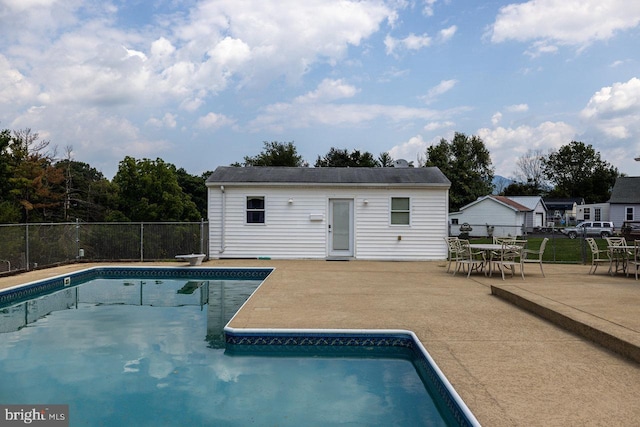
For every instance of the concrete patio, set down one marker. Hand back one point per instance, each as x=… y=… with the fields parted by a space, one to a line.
x=511 y=366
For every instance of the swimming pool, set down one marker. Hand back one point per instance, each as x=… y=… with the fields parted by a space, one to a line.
x=146 y=347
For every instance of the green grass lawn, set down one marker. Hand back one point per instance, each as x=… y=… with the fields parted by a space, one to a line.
x=561 y=249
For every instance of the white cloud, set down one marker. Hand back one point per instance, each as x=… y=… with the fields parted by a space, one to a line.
x=443 y=87
x=217 y=43
x=413 y=149
x=161 y=52
x=415 y=42
x=429 y=127
x=328 y=90
x=167 y=121
x=286 y=39
x=615 y=110
x=504 y=144
x=518 y=108
x=540 y=48
x=29 y=20
x=104 y=138
x=618 y=63
x=411 y=42
x=507 y=144
x=392 y=74
x=230 y=53
x=214 y=121
x=447 y=33
x=14 y=86
x=278 y=117
x=427 y=9
x=564 y=22
x=191 y=104
x=318 y=107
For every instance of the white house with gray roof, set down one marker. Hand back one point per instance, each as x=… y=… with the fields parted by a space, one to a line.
x=624 y=204
x=324 y=213
x=497 y=216
x=537 y=217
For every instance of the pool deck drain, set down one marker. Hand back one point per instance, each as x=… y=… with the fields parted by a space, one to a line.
x=490 y=337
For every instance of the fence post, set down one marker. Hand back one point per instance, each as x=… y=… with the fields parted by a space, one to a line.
x=26 y=244
x=202 y=235
x=553 y=237
x=142 y=241
x=583 y=245
x=77 y=238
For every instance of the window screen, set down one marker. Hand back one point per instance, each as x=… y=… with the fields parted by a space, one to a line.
x=400 y=211
x=255 y=210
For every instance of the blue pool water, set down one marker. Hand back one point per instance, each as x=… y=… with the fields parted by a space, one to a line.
x=144 y=351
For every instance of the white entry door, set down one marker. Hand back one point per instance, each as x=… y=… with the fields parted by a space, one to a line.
x=341 y=227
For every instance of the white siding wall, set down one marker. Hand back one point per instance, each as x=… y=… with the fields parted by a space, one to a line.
x=604 y=212
x=423 y=239
x=538 y=217
x=617 y=214
x=289 y=232
x=505 y=220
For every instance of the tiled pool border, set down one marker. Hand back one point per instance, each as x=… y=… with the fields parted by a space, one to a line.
x=261 y=337
x=361 y=338
x=41 y=287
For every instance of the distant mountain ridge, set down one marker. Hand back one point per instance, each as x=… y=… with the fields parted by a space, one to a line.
x=500 y=183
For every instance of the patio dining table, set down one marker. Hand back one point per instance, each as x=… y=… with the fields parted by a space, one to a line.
x=618 y=257
x=487 y=248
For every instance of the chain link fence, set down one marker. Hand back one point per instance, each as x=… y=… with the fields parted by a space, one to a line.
x=28 y=246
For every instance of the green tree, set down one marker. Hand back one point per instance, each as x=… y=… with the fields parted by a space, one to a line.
x=275 y=154
x=5 y=162
x=385 y=160
x=467 y=163
x=338 y=158
x=9 y=211
x=34 y=182
x=88 y=195
x=195 y=188
x=577 y=170
x=520 y=189
x=149 y=191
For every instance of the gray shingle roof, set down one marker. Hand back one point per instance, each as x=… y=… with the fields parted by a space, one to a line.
x=339 y=176
x=626 y=190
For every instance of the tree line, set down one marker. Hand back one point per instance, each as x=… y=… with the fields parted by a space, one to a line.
x=38 y=186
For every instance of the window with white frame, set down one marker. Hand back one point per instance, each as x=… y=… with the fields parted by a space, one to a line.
x=629 y=213
x=597 y=214
x=400 y=211
x=255 y=210
x=587 y=213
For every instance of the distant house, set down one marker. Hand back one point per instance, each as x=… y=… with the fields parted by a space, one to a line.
x=563 y=211
x=491 y=216
x=537 y=218
x=365 y=213
x=624 y=204
x=593 y=212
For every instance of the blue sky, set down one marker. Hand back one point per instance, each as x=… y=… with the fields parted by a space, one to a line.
x=203 y=83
